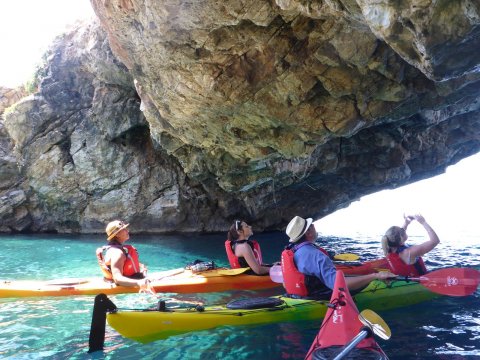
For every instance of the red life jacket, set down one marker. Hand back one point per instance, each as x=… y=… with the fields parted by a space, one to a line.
x=235 y=261
x=293 y=280
x=131 y=266
x=297 y=283
x=398 y=266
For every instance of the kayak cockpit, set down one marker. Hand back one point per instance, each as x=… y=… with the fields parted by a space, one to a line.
x=255 y=303
x=356 y=353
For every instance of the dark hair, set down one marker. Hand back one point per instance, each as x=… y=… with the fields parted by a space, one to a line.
x=234 y=229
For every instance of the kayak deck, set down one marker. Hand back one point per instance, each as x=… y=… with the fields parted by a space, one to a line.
x=146 y=326
x=174 y=281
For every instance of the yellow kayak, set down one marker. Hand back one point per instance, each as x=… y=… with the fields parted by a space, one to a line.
x=171 y=281
x=150 y=325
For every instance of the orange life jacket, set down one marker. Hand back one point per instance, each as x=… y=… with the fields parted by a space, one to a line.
x=131 y=267
x=235 y=261
x=398 y=266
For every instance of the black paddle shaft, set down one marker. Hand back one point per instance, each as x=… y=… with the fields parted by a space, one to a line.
x=97 y=330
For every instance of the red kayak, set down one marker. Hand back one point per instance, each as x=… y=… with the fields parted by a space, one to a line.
x=357 y=268
x=364 y=268
x=340 y=326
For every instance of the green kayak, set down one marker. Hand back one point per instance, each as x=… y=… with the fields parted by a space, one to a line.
x=150 y=325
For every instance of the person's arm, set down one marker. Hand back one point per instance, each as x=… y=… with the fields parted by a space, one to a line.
x=143 y=269
x=318 y=264
x=325 y=270
x=311 y=261
x=407 y=220
x=246 y=251
x=409 y=255
x=117 y=260
x=358 y=282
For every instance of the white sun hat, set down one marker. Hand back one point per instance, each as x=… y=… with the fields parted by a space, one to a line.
x=297 y=227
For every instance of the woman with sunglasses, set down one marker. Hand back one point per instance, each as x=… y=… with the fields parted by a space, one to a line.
x=243 y=252
x=119 y=262
x=403 y=259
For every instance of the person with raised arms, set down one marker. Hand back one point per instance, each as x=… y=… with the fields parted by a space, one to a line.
x=119 y=262
x=403 y=259
x=307 y=271
x=243 y=252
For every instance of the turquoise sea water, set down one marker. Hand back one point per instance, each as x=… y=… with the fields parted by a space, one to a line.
x=58 y=328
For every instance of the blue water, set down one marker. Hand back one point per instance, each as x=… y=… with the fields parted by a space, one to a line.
x=58 y=328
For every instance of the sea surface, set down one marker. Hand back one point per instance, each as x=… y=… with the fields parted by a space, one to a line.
x=58 y=328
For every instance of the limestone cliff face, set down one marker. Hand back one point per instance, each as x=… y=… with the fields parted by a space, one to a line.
x=85 y=151
x=193 y=113
x=13 y=211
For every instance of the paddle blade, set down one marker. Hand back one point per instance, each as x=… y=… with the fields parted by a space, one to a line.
x=451 y=281
x=276 y=274
x=231 y=272
x=376 y=323
x=346 y=257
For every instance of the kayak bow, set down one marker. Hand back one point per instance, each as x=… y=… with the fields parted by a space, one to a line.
x=341 y=332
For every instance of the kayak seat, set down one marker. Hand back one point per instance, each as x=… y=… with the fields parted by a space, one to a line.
x=254 y=303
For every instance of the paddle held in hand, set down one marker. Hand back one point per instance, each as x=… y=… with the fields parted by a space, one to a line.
x=449 y=281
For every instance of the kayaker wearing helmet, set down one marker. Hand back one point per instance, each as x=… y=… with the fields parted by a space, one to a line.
x=243 y=252
x=120 y=262
x=308 y=271
x=406 y=260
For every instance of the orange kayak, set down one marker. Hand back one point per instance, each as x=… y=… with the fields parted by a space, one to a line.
x=171 y=281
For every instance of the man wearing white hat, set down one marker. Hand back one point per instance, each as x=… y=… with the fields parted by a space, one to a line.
x=307 y=270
